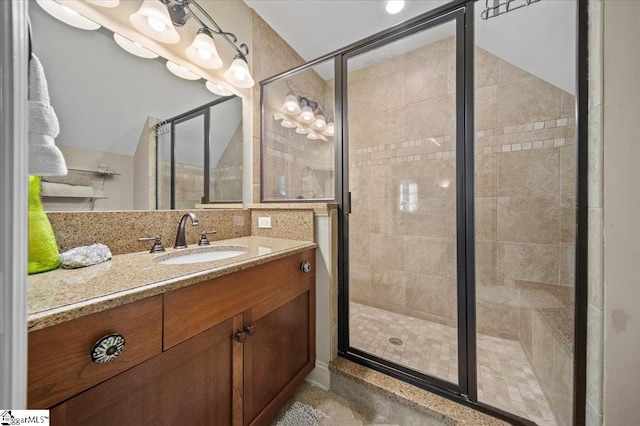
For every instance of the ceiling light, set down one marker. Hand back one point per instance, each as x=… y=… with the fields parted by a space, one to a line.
x=301 y=130
x=153 y=20
x=394 y=6
x=133 y=47
x=288 y=124
x=306 y=116
x=320 y=123
x=290 y=105
x=203 y=51
x=67 y=15
x=238 y=73
x=313 y=136
x=105 y=3
x=217 y=89
x=330 y=130
x=181 y=71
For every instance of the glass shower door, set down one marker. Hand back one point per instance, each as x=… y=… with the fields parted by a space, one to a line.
x=403 y=100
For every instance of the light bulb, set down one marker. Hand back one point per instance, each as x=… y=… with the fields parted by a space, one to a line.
x=306 y=116
x=156 y=24
x=240 y=74
x=394 y=6
x=205 y=54
x=320 y=123
x=290 y=105
x=330 y=130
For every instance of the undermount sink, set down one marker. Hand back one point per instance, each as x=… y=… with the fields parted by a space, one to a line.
x=200 y=255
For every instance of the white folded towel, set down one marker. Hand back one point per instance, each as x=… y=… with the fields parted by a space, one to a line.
x=45 y=159
x=50 y=189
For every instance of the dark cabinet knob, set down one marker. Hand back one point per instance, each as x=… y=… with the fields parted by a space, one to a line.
x=240 y=336
x=250 y=330
x=107 y=348
x=305 y=266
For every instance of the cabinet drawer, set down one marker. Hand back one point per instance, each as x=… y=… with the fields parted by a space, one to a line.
x=191 y=310
x=60 y=363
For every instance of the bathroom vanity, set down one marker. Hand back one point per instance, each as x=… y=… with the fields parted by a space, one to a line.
x=226 y=345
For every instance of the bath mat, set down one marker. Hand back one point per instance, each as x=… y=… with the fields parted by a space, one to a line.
x=300 y=414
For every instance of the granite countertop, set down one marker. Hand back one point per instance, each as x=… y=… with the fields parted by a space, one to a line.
x=65 y=294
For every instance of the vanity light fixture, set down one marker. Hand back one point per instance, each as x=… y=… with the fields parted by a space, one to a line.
x=320 y=123
x=181 y=71
x=158 y=19
x=288 y=124
x=153 y=20
x=203 y=51
x=238 y=73
x=394 y=6
x=105 y=3
x=306 y=116
x=217 y=89
x=67 y=15
x=330 y=130
x=308 y=120
x=133 y=47
x=290 y=105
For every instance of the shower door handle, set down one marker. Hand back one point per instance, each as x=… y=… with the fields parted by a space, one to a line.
x=347 y=202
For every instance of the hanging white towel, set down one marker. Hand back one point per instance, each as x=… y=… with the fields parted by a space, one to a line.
x=45 y=159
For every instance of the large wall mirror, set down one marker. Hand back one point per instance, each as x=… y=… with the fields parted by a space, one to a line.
x=134 y=136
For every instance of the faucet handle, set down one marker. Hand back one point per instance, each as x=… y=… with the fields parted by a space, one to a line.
x=204 y=241
x=157 y=244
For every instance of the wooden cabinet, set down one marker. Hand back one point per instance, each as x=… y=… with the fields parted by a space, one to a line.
x=192 y=384
x=59 y=361
x=228 y=351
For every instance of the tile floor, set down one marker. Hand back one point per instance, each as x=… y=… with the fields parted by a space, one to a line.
x=339 y=411
x=505 y=377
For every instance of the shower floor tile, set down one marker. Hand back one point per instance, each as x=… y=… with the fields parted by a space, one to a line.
x=505 y=377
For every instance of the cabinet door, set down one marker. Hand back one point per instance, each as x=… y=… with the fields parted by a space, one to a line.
x=278 y=356
x=192 y=384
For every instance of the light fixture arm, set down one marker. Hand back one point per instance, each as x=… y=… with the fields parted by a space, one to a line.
x=180 y=11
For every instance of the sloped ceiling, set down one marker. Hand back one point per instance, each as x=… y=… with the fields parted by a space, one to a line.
x=539 y=38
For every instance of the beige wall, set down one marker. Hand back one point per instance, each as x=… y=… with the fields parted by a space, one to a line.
x=271 y=55
x=622 y=204
x=117 y=187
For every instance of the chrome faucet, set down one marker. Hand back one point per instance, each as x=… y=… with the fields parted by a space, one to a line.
x=181 y=241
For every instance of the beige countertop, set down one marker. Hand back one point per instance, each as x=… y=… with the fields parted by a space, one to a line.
x=65 y=294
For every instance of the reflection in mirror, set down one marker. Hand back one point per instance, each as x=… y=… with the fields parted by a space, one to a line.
x=108 y=103
x=206 y=166
x=298 y=136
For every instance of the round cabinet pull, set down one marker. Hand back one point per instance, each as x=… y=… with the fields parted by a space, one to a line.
x=240 y=336
x=107 y=348
x=305 y=266
x=250 y=330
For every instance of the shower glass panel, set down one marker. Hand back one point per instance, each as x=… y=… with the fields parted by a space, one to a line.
x=189 y=165
x=298 y=144
x=402 y=139
x=163 y=167
x=525 y=156
x=225 y=151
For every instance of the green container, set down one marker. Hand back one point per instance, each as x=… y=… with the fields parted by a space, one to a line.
x=43 y=248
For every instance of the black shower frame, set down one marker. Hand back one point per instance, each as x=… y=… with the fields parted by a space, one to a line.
x=204 y=110
x=466 y=392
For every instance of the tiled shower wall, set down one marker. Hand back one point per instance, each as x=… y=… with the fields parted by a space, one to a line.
x=401 y=127
x=225 y=183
